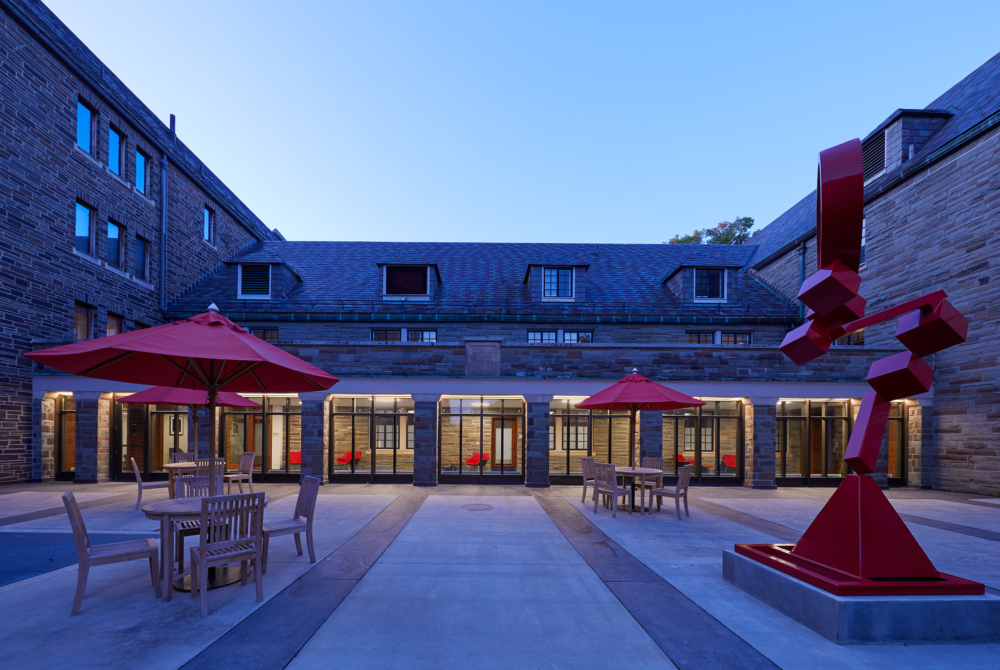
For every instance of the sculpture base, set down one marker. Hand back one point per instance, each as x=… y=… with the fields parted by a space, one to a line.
x=848 y=620
x=780 y=557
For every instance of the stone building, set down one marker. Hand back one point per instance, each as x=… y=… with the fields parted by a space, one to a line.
x=105 y=215
x=459 y=362
x=932 y=218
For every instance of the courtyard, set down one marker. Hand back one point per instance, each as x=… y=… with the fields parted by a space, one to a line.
x=460 y=577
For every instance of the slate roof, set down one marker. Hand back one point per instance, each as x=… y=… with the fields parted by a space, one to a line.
x=344 y=277
x=974 y=104
x=52 y=32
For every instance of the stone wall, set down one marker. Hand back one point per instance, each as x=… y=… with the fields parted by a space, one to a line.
x=43 y=174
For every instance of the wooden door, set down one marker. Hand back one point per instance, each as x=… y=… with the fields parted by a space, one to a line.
x=504 y=443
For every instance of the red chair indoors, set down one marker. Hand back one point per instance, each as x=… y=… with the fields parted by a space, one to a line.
x=348 y=457
x=729 y=462
x=473 y=459
x=295 y=457
x=681 y=460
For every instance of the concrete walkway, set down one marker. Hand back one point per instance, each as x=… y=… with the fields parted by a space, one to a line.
x=468 y=587
x=461 y=577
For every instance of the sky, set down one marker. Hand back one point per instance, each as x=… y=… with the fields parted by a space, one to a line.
x=538 y=121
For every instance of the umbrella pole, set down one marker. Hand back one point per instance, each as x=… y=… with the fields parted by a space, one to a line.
x=213 y=391
x=631 y=450
x=195 y=408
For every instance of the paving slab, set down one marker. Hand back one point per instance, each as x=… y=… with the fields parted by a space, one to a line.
x=123 y=625
x=462 y=589
x=688 y=555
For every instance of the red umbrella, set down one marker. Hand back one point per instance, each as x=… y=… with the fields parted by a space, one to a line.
x=163 y=395
x=634 y=393
x=207 y=352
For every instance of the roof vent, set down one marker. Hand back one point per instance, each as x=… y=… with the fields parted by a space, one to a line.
x=873 y=152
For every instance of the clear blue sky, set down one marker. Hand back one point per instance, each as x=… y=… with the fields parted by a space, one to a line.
x=526 y=121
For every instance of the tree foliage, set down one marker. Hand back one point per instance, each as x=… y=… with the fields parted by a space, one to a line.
x=736 y=231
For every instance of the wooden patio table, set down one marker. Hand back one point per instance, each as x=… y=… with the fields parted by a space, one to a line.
x=641 y=473
x=173 y=469
x=168 y=512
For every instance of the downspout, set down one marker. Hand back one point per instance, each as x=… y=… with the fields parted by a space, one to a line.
x=802 y=275
x=163 y=232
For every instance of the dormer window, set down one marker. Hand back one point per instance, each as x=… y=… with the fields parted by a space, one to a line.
x=254 y=282
x=710 y=284
x=557 y=283
x=405 y=281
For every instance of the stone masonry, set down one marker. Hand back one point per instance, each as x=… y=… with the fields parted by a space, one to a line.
x=759 y=434
x=536 y=467
x=425 y=447
x=315 y=429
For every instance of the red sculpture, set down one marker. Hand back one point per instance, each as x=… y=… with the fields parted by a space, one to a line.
x=858 y=544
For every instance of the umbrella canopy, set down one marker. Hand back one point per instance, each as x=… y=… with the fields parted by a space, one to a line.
x=634 y=393
x=207 y=352
x=163 y=395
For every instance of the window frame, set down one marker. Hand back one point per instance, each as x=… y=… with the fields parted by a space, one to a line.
x=252 y=296
x=406 y=296
x=88 y=312
x=590 y=333
x=91 y=211
x=853 y=340
x=541 y=339
x=265 y=334
x=725 y=288
x=735 y=335
x=698 y=335
x=91 y=140
x=112 y=130
x=143 y=257
x=111 y=316
x=572 y=284
x=410 y=333
x=398 y=331
x=144 y=171
x=120 y=266
x=208 y=224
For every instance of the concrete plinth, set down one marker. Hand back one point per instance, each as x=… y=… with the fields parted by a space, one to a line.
x=868 y=619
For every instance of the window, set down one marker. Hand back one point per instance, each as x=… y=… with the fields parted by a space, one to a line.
x=141 y=267
x=421 y=335
x=83 y=216
x=207 y=224
x=853 y=340
x=84 y=126
x=406 y=280
x=114 y=245
x=266 y=334
x=115 y=325
x=558 y=282
x=83 y=321
x=873 y=155
x=114 y=151
x=385 y=336
x=737 y=338
x=699 y=338
x=541 y=337
x=861 y=261
x=578 y=337
x=255 y=281
x=709 y=284
x=140 y=171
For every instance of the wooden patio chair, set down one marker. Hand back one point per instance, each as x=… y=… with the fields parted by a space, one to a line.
x=102 y=554
x=201 y=467
x=190 y=487
x=181 y=457
x=606 y=484
x=587 y=464
x=681 y=490
x=145 y=485
x=231 y=528
x=657 y=481
x=301 y=521
x=245 y=473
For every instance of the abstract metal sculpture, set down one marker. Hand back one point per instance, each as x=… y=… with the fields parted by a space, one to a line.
x=858 y=544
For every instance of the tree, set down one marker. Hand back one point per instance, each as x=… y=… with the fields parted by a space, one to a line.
x=736 y=231
x=693 y=238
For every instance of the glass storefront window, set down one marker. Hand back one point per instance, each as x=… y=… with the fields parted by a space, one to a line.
x=371 y=435
x=67 y=433
x=896 y=431
x=811 y=438
x=481 y=436
x=707 y=437
x=169 y=433
x=569 y=437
